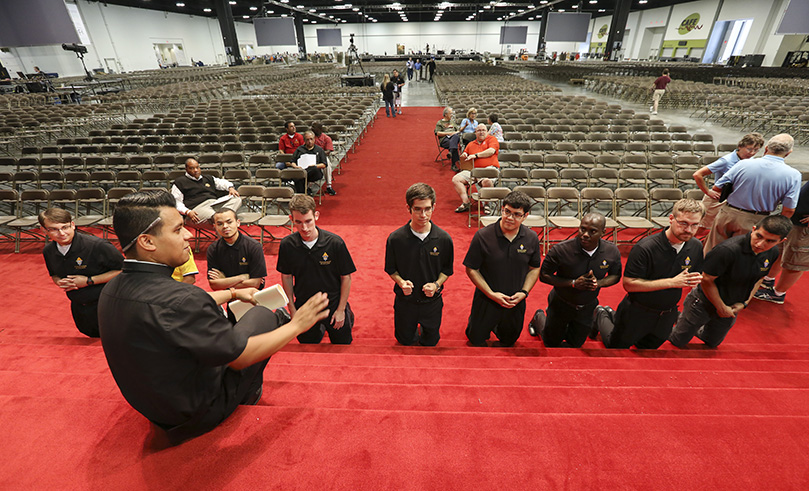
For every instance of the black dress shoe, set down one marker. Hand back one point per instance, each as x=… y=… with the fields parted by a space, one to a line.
x=330 y=191
x=252 y=399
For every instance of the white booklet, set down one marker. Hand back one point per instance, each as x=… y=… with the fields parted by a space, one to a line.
x=272 y=298
x=307 y=160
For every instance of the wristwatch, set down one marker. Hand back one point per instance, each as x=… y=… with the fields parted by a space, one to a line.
x=90 y=281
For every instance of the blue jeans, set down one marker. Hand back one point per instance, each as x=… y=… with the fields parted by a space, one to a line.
x=389 y=108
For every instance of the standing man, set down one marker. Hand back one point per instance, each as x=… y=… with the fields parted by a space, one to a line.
x=658 y=268
x=409 y=69
x=234 y=260
x=732 y=273
x=198 y=196
x=313 y=260
x=314 y=173
x=290 y=140
x=482 y=151
x=431 y=67
x=449 y=136
x=759 y=185
x=398 y=84
x=325 y=142
x=503 y=263
x=577 y=269
x=175 y=358
x=796 y=256
x=418 y=258
x=79 y=264
x=747 y=148
x=658 y=89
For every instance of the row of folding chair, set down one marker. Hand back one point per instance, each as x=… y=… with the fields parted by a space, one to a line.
x=610 y=147
x=633 y=212
x=595 y=177
x=560 y=161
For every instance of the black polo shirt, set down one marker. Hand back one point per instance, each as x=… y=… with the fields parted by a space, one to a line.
x=737 y=267
x=654 y=258
x=244 y=256
x=318 y=269
x=320 y=155
x=166 y=342
x=802 y=208
x=88 y=256
x=568 y=260
x=420 y=261
x=503 y=264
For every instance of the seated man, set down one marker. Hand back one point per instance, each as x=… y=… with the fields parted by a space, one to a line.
x=313 y=172
x=175 y=358
x=234 y=260
x=323 y=141
x=290 y=140
x=79 y=264
x=731 y=275
x=315 y=260
x=449 y=136
x=198 y=196
x=482 y=152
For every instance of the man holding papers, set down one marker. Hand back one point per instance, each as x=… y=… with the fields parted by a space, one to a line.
x=313 y=260
x=312 y=158
x=198 y=196
x=175 y=358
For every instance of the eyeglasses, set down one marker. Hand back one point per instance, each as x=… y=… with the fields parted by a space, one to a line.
x=687 y=225
x=516 y=215
x=146 y=230
x=56 y=230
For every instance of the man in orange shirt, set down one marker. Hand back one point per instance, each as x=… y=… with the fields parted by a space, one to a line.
x=479 y=153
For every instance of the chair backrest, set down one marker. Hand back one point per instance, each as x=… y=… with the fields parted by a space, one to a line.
x=485 y=173
x=493 y=192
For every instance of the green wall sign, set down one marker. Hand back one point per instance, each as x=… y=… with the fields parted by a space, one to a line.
x=689 y=24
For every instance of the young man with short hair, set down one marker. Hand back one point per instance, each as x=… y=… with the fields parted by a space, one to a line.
x=234 y=260
x=577 y=269
x=290 y=140
x=418 y=258
x=313 y=260
x=503 y=263
x=173 y=355
x=658 y=268
x=731 y=275
x=659 y=88
x=79 y=264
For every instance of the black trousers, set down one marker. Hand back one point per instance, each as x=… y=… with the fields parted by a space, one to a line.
x=409 y=315
x=487 y=317
x=451 y=144
x=313 y=174
x=85 y=316
x=336 y=336
x=237 y=385
x=636 y=325
x=564 y=322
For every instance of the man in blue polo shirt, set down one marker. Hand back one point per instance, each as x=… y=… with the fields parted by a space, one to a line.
x=759 y=185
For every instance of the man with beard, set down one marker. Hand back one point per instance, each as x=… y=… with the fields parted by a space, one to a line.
x=658 y=268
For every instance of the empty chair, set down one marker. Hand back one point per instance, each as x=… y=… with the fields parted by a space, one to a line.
x=660 y=178
x=604 y=176
x=545 y=178
x=489 y=201
x=600 y=200
x=632 y=213
x=577 y=178
x=661 y=203
x=91 y=205
x=632 y=178
x=275 y=211
x=563 y=212
x=252 y=199
x=514 y=177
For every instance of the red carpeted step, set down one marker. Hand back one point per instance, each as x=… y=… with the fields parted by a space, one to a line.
x=295 y=448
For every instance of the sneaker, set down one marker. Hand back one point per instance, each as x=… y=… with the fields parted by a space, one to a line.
x=651 y=109
x=330 y=191
x=400 y=111
x=654 y=112
x=769 y=295
x=767 y=284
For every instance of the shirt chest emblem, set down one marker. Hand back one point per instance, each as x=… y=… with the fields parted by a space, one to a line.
x=243 y=261
x=604 y=264
x=80 y=263
x=434 y=251
x=766 y=265
x=686 y=263
x=207 y=185
x=324 y=259
x=521 y=249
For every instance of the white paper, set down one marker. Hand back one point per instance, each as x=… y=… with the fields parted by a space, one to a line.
x=307 y=160
x=221 y=199
x=272 y=298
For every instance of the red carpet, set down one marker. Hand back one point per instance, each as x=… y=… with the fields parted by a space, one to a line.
x=375 y=415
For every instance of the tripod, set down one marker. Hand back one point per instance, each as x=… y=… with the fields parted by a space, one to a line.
x=353 y=58
x=89 y=77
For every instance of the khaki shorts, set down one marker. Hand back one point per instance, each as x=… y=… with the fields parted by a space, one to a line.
x=658 y=93
x=712 y=207
x=796 y=250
